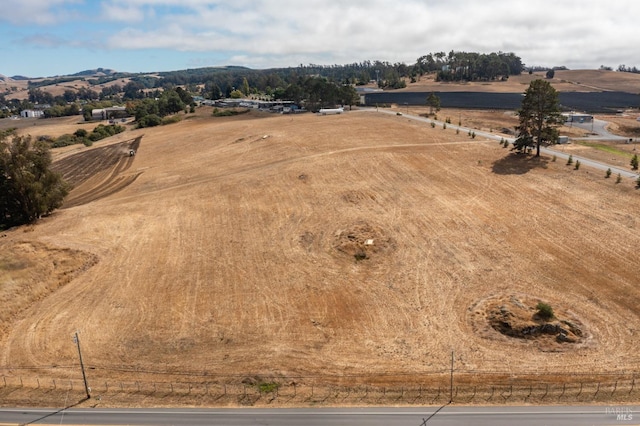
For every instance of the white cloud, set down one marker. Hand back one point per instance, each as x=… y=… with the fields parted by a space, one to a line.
x=41 y=12
x=265 y=33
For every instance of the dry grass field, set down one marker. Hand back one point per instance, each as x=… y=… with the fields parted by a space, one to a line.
x=349 y=249
x=563 y=81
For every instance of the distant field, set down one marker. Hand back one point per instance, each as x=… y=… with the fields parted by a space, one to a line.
x=345 y=249
x=563 y=81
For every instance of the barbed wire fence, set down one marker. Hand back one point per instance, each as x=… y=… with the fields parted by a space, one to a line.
x=433 y=389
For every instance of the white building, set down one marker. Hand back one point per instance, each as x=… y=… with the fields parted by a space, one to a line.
x=31 y=113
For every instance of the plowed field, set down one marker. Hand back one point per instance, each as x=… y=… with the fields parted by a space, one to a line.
x=334 y=248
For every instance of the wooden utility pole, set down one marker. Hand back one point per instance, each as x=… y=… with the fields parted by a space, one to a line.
x=76 y=339
x=451 y=381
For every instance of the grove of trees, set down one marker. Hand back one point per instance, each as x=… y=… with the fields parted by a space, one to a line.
x=29 y=189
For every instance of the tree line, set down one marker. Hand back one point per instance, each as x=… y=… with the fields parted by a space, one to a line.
x=320 y=84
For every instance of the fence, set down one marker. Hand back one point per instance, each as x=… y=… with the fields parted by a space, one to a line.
x=466 y=389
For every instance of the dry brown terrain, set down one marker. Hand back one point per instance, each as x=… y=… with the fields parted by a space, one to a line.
x=563 y=81
x=351 y=249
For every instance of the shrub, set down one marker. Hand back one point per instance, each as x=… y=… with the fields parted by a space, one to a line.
x=444 y=126
x=81 y=133
x=228 y=112
x=473 y=135
x=607 y=174
x=619 y=178
x=634 y=162
x=266 y=387
x=544 y=311
x=150 y=120
x=360 y=255
x=433 y=124
x=570 y=160
x=577 y=166
x=554 y=158
x=65 y=140
x=171 y=119
x=101 y=131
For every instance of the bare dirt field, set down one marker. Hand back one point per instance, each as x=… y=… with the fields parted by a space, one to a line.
x=353 y=249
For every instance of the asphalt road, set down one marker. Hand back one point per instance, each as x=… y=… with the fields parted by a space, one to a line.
x=380 y=416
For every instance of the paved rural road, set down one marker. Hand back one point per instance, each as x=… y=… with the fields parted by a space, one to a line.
x=557 y=150
x=379 y=416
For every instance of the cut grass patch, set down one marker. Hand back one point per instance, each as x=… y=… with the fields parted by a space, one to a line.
x=606 y=148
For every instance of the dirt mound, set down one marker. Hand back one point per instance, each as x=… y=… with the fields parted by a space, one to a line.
x=519 y=318
x=362 y=240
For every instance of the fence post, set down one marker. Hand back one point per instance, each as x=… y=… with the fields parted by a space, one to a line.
x=580 y=391
x=546 y=391
x=171 y=386
x=633 y=383
x=21 y=384
x=564 y=386
x=5 y=381
x=614 y=388
x=206 y=387
x=597 y=390
x=225 y=389
x=70 y=384
x=54 y=383
x=38 y=381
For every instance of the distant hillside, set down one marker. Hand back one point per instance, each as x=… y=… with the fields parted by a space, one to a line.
x=94 y=72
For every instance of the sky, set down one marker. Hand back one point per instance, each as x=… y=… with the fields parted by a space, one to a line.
x=43 y=38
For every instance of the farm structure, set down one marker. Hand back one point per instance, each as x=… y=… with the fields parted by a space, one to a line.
x=109 y=113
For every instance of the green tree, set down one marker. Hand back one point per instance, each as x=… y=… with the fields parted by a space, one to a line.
x=539 y=116
x=634 y=162
x=170 y=103
x=434 y=102
x=29 y=189
x=245 y=86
